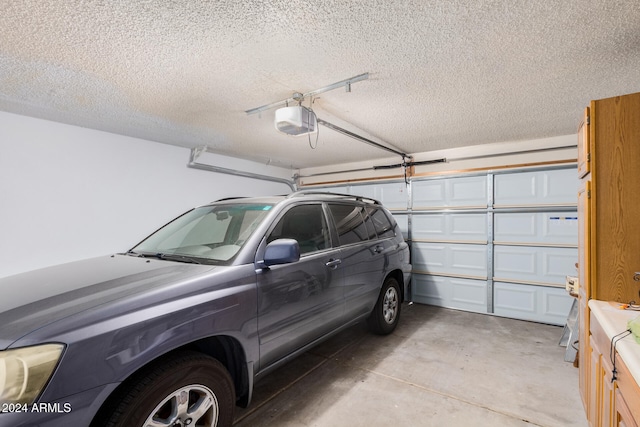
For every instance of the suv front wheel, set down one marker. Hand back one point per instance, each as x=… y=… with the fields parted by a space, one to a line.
x=386 y=313
x=188 y=389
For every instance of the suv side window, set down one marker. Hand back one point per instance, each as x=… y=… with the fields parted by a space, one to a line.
x=350 y=223
x=306 y=224
x=381 y=222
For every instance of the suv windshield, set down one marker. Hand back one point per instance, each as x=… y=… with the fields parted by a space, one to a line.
x=209 y=234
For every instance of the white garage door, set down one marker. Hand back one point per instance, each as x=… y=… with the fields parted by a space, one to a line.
x=496 y=242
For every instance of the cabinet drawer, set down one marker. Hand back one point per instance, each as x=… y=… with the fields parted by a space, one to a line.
x=629 y=389
x=599 y=338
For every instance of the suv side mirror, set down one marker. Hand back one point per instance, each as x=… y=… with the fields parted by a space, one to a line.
x=281 y=251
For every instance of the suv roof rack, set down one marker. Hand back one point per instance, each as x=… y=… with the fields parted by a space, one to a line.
x=336 y=195
x=224 y=199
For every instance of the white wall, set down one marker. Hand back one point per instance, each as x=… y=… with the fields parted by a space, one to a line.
x=69 y=193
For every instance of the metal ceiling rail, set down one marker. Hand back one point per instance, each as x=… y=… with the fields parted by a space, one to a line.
x=361 y=138
x=298 y=97
x=196 y=152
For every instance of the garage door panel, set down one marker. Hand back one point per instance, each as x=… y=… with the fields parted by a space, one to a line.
x=546 y=265
x=450 y=227
x=451 y=292
x=392 y=195
x=514 y=188
x=449 y=258
x=468 y=226
x=429 y=289
x=558 y=263
x=514 y=298
x=428 y=257
x=560 y=228
x=539 y=188
x=468 y=191
x=556 y=303
x=466 y=292
x=514 y=262
x=450 y=192
x=429 y=227
x=535 y=303
x=469 y=258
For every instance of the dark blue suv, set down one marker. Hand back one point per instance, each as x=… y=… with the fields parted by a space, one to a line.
x=176 y=330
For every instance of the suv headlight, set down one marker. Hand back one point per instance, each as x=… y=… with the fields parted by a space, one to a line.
x=25 y=371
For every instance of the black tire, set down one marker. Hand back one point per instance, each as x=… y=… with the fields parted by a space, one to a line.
x=386 y=314
x=196 y=379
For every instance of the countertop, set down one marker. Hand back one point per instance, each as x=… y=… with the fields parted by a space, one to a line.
x=614 y=321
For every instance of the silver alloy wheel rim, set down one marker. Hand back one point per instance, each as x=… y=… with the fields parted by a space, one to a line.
x=188 y=406
x=390 y=305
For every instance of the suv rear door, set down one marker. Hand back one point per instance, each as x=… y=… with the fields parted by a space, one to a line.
x=362 y=255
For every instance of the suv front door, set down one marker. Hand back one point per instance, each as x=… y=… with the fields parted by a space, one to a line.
x=301 y=301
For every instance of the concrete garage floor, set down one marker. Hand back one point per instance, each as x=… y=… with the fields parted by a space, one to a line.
x=440 y=367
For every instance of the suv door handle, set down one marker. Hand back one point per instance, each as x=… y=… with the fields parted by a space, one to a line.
x=333 y=263
x=378 y=249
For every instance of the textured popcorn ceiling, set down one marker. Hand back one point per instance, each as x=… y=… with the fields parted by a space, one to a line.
x=443 y=74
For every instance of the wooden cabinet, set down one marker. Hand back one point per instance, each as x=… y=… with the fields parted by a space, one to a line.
x=609 y=228
x=584 y=152
x=626 y=411
x=614 y=400
x=613 y=227
x=602 y=404
x=623 y=416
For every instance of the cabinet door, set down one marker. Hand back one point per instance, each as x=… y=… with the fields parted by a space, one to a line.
x=595 y=386
x=607 y=416
x=584 y=350
x=615 y=177
x=584 y=237
x=584 y=150
x=623 y=416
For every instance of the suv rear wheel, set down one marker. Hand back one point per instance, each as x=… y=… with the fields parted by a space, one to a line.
x=386 y=313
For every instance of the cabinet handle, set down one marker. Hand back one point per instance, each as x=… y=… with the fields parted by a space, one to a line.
x=636 y=276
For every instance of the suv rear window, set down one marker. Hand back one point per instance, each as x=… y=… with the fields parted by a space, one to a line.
x=350 y=224
x=381 y=222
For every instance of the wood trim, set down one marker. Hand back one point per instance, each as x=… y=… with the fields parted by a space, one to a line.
x=493 y=168
x=347 y=181
x=528 y=282
x=455 y=276
x=536 y=244
x=484 y=278
x=414 y=175
x=537 y=205
x=442 y=208
x=462 y=242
